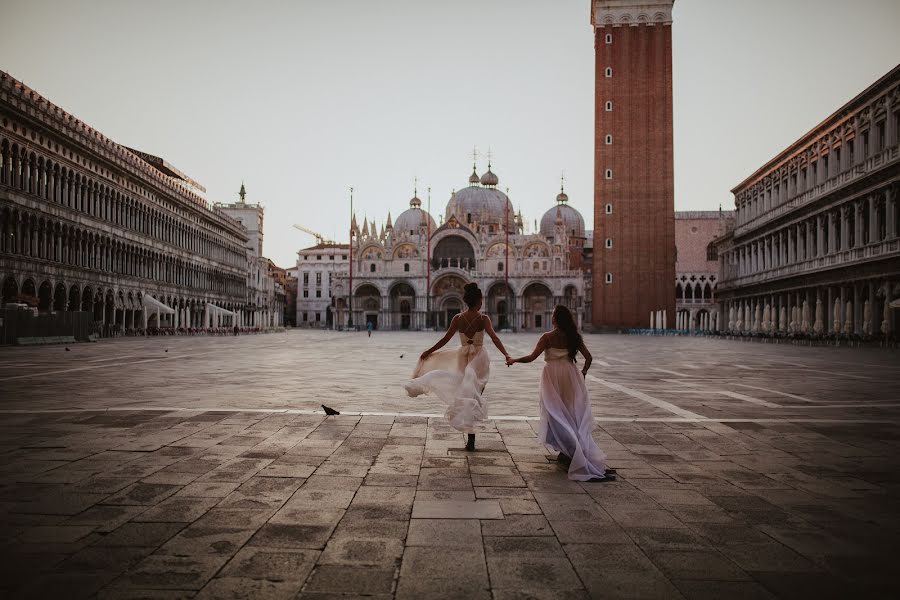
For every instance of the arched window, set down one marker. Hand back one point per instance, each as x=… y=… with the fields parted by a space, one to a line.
x=372 y=268
x=608 y=72
x=678 y=293
x=608 y=38
x=609 y=139
x=609 y=173
x=609 y=106
x=712 y=252
x=608 y=209
x=608 y=243
x=499 y=266
x=609 y=278
x=405 y=267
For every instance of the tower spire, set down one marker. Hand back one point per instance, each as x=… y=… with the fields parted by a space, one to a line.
x=242 y=193
x=562 y=196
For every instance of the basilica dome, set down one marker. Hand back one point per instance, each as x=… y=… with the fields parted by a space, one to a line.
x=571 y=218
x=413 y=217
x=482 y=205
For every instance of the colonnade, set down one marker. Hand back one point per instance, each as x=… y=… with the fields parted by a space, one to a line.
x=869 y=221
x=859 y=308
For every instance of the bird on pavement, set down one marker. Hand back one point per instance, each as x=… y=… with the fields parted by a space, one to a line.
x=167 y=349
x=329 y=412
x=67 y=349
x=401 y=356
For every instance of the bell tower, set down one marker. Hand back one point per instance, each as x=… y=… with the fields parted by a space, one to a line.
x=634 y=207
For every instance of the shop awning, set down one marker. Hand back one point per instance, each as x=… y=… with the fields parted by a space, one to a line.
x=154 y=305
x=218 y=310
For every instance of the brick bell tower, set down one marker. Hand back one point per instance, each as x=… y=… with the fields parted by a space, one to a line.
x=634 y=207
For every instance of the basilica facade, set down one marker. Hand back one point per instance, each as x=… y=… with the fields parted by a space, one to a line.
x=410 y=273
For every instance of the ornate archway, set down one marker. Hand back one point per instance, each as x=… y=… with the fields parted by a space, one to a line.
x=447 y=292
x=536 y=302
x=500 y=305
x=367 y=305
x=453 y=251
x=402 y=298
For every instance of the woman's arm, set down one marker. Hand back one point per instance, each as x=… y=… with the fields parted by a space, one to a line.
x=539 y=347
x=489 y=328
x=441 y=342
x=587 y=358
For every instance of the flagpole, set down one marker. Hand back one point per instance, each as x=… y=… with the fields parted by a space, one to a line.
x=428 y=264
x=506 y=265
x=350 y=255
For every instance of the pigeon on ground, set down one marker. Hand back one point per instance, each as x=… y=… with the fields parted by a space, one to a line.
x=167 y=349
x=67 y=349
x=329 y=412
x=401 y=356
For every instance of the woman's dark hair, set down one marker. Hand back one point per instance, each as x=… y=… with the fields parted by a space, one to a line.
x=471 y=294
x=566 y=323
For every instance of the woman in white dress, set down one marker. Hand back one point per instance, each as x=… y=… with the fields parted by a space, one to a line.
x=566 y=418
x=458 y=376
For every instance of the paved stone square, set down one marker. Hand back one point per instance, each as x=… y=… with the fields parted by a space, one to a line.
x=204 y=467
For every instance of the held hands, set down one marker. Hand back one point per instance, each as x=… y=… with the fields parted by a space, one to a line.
x=510 y=360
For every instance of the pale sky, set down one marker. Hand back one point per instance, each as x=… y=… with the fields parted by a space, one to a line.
x=303 y=99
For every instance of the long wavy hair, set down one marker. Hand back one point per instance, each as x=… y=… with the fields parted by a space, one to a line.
x=566 y=324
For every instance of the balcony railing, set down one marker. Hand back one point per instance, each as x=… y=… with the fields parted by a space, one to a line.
x=730 y=277
x=882 y=159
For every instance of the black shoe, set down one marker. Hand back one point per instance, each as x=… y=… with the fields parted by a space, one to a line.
x=564 y=459
x=470 y=445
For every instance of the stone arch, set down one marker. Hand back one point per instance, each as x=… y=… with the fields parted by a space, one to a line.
x=74 y=297
x=402 y=301
x=499 y=304
x=87 y=299
x=60 y=300
x=447 y=291
x=453 y=250
x=28 y=293
x=405 y=251
x=10 y=290
x=497 y=250
x=536 y=303
x=679 y=291
x=367 y=304
x=45 y=296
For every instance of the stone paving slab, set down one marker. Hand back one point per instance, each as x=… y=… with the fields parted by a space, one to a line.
x=193 y=494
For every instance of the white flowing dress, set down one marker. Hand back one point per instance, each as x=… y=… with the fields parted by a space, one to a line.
x=457 y=377
x=566 y=417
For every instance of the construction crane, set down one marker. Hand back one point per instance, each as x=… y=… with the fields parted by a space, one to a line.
x=320 y=239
